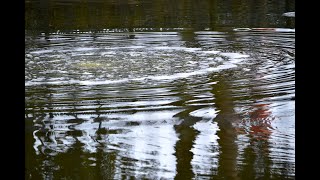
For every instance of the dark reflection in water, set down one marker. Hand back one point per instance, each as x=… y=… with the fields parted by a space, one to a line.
x=159 y=90
x=227 y=136
x=86 y=15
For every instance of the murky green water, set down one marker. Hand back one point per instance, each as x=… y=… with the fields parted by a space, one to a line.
x=159 y=90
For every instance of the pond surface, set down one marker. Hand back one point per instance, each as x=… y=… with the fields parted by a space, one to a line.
x=158 y=90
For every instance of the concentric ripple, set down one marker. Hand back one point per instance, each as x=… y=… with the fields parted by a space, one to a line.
x=155 y=105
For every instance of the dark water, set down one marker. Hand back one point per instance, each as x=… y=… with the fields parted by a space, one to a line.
x=159 y=90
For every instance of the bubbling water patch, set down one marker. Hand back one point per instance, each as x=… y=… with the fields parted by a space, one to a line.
x=122 y=65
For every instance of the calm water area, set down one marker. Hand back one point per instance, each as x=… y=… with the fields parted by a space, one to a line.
x=159 y=89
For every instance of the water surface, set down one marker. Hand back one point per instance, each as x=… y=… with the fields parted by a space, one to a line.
x=169 y=101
